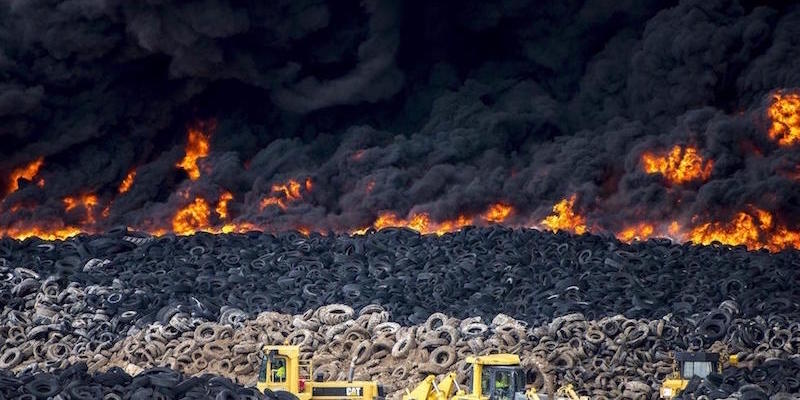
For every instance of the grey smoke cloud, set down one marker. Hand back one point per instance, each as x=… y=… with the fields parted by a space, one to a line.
x=436 y=107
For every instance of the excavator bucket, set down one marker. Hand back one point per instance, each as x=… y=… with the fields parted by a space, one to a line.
x=428 y=389
x=444 y=389
x=422 y=391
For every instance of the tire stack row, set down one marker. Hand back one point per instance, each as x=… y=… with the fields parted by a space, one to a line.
x=532 y=275
x=586 y=310
x=614 y=357
x=76 y=383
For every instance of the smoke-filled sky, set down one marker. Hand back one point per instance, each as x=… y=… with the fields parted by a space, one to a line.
x=404 y=106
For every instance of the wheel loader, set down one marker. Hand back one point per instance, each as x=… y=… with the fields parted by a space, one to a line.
x=691 y=365
x=494 y=377
x=290 y=378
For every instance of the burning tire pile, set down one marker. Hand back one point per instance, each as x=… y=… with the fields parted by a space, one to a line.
x=126 y=315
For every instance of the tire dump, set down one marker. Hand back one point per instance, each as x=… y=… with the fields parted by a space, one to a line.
x=399 y=200
x=111 y=316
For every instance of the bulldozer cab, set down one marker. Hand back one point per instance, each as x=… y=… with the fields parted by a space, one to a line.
x=503 y=383
x=282 y=369
x=700 y=365
x=497 y=377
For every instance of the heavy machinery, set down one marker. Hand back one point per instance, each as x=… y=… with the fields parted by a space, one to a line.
x=688 y=366
x=290 y=378
x=494 y=377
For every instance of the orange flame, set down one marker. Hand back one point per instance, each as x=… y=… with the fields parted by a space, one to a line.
x=88 y=201
x=640 y=231
x=784 y=111
x=498 y=212
x=27 y=172
x=285 y=193
x=222 y=205
x=127 y=182
x=755 y=230
x=422 y=223
x=192 y=218
x=564 y=218
x=195 y=217
x=45 y=233
x=679 y=166
x=197 y=147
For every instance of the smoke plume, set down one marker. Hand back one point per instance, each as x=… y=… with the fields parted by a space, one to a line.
x=329 y=116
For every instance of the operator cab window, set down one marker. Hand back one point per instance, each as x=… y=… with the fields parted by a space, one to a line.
x=700 y=369
x=503 y=389
x=262 y=370
x=279 y=370
x=486 y=379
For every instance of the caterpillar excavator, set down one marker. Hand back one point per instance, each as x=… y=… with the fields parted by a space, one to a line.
x=290 y=378
x=494 y=377
x=693 y=365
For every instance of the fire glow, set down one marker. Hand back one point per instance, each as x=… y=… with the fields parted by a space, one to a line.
x=27 y=172
x=754 y=228
x=640 y=231
x=127 y=182
x=87 y=201
x=680 y=165
x=564 y=218
x=422 y=222
x=784 y=113
x=197 y=147
x=286 y=193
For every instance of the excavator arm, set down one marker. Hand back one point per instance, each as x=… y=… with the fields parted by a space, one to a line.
x=569 y=392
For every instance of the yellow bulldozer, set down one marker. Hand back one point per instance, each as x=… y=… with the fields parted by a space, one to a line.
x=494 y=377
x=290 y=378
x=690 y=365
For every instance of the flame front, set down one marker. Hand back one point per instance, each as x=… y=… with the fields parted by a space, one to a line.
x=43 y=232
x=640 y=231
x=498 y=212
x=422 y=222
x=680 y=165
x=87 y=201
x=564 y=218
x=784 y=112
x=192 y=218
x=27 y=172
x=285 y=193
x=196 y=217
x=222 y=205
x=127 y=182
x=197 y=147
x=755 y=229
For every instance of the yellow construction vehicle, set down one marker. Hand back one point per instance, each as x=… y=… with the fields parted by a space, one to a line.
x=494 y=377
x=689 y=365
x=290 y=378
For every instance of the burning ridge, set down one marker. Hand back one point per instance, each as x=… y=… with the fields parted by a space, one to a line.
x=613 y=119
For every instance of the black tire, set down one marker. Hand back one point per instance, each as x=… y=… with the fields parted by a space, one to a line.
x=754 y=395
x=284 y=395
x=43 y=386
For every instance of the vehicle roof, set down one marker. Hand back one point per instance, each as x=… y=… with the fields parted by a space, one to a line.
x=495 y=359
x=696 y=356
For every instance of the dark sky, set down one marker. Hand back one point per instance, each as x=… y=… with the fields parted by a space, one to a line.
x=451 y=106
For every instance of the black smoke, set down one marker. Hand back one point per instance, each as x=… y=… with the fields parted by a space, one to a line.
x=442 y=107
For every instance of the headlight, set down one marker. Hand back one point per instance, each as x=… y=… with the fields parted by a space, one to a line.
x=666 y=392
